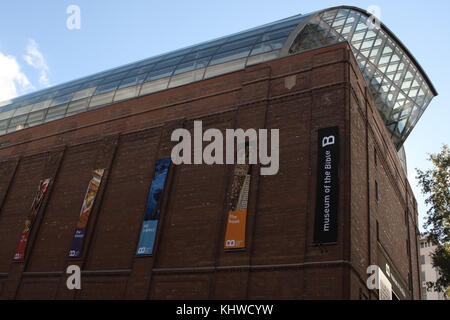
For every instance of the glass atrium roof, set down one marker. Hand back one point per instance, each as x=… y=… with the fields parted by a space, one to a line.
x=401 y=89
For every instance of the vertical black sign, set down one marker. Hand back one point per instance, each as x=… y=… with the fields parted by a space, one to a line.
x=327 y=195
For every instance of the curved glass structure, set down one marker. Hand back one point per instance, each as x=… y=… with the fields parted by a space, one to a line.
x=400 y=87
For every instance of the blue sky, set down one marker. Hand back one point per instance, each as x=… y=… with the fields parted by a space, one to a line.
x=38 y=50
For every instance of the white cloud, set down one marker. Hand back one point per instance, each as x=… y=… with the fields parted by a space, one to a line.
x=35 y=59
x=12 y=80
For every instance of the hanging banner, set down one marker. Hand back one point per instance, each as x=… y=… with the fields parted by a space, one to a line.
x=327 y=192
x=153 y=208
x=235 y=231
x=37 y=201
x=88 y=203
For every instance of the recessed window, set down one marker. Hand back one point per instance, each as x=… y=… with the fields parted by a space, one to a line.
x=378 y=231
x=422 y=259
x=376 y=190
x=375 y=156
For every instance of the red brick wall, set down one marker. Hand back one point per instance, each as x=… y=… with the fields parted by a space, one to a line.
x=189 y=261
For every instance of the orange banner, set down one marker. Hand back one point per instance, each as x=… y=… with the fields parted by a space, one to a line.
x=235 y=233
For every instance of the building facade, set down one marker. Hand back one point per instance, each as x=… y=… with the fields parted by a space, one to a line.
x=428 y=272
x=148 y=229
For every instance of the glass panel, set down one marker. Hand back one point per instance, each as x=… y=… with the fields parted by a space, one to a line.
x=231 y=55
x=70 y=89
x=223 y=68
x=187 y=77
x=312 y=36
x=55 y=113
x=20 y=120
x=159 y=74
x=4 y=124
x=188 y=66
x=23 y=110
x=168 y=63
x=37 y=116
x=89 y=84
x=61 y=100
x=267 y=46
x=127 y=93
x=6 y=114
x=132 y=81
x=153 y=86
x=77 y=106
x=200 y=54
x=237 y=44
x=263 y=57
x=276 y=34
x=83 y=93
x=41 y=105
x=140 y=70
x=101 y=99
x=107 y=87
x=114 y=77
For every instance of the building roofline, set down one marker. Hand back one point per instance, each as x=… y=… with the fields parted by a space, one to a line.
x=394 y=37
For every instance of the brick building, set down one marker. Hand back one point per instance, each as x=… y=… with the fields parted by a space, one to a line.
x=299 y=75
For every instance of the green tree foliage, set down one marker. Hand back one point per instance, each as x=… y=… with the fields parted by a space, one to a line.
x=435 y=185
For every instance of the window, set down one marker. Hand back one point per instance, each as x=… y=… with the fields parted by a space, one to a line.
x=107 y=87
x=376 y=190
x=378 y=231
x=422 y=259
x=423 y=276
x=375 y=156
x=421 y=245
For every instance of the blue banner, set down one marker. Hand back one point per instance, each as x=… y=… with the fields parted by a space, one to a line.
x=153 y=208
x=147 y=239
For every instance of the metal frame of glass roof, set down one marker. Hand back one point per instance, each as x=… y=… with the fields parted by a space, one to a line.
x=401 y=89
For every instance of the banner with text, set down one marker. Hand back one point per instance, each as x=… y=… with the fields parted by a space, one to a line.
x=37 y=201
x=153 y=208
x=327 y=192
x=237 y=216
x=88 y=203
